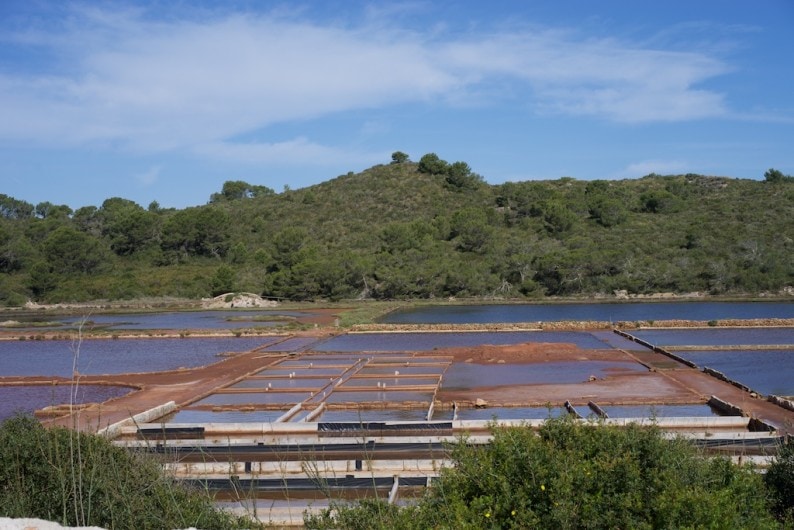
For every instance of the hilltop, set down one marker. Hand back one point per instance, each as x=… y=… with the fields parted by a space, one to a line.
x=411 y=230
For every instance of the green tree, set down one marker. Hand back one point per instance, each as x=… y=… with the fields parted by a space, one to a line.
x=70 y=251
x=129 y=228
x=557 y=218
x=471 y=230
x=432 y=164
x=199 y=231
x=41 y=280
x=223 y=281
x=398 y=157
x=459 y=176
x=238 y=189
x=774 y=175
x=779 y=478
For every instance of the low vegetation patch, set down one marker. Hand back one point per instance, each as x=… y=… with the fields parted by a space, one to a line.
x=78 y=479
x=572 y=475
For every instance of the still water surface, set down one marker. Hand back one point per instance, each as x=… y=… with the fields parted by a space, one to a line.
x=59 y=357
x=716 y=336
x=169 y=320
x=392 y=342
x=28 y=398
x=764 y=371
x=607 y=312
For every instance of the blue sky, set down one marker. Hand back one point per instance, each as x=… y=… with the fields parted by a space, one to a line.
x=165 y=100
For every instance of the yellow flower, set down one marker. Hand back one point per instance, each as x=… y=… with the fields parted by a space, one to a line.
x=513 y=513
x=487 y=514
x=542 y=487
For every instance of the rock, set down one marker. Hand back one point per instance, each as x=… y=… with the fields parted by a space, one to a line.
x=36 y=524
x=480 y=403
x=237 y=300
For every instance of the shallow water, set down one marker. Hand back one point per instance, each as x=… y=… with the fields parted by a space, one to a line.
x=765 y=371
x=167 y=320
x=292 y=345
x=402 y=370
x=390 y=381
x=330 y=372
x=281 y=384
x=607 y=312
x=428 y=341
x=254 y=398
x=465 y=376
x=716 y=336
x=373 y=415
x=60 y=357
x=655 y=411
x=387 y=396
x=510 y=413
x=28 y=398
x=232 y=416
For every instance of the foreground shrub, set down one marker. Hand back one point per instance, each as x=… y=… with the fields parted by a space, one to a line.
x=79 y=479
x=574 y=475
x=779 y=479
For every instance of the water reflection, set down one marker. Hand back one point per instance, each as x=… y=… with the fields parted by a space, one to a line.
x=28 y=398
x=62 y=357
x=606 y=312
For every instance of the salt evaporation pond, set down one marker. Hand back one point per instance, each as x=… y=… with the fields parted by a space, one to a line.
x=464 y=376
x=764 y=371
x=428 y=341
x=230 y=416
x=510 y=413
x=254 y=398
x=716 y=336
x=657 y=411
x=292 y=345
x=60 y=358
x=366 y=415
x=281 y=384
x=603 y=312
x=386 y=397
x=29 y=398
x=167 y=320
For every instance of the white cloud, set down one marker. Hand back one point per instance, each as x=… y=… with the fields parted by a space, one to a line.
x=660 y=167
x=126 y=81
x=149 y=177
x=297 y=151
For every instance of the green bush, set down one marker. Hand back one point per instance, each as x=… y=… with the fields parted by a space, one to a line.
x=575 y=475
x=78 y=479
x=779 y=479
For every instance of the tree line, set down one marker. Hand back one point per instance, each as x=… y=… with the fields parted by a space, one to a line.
x=411 y=230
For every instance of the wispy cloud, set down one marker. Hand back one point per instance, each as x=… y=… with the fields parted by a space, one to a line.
x=126 y=81
x=149 y=177
x=297 y=151
x=660 y=167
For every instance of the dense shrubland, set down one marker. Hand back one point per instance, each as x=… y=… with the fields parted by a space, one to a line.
x=582 y=476
x=79 y=479
x=569 y=475
x=411 y=230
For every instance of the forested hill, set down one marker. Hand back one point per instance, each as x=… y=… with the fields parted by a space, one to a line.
x=411 y=230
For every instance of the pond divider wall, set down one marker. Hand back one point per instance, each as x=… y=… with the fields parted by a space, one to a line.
x=781 y=402
x=598 y=410
x=572 y=410
x=656 y=349
x=147 y=416
x=728 y=409
x=722 y=377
